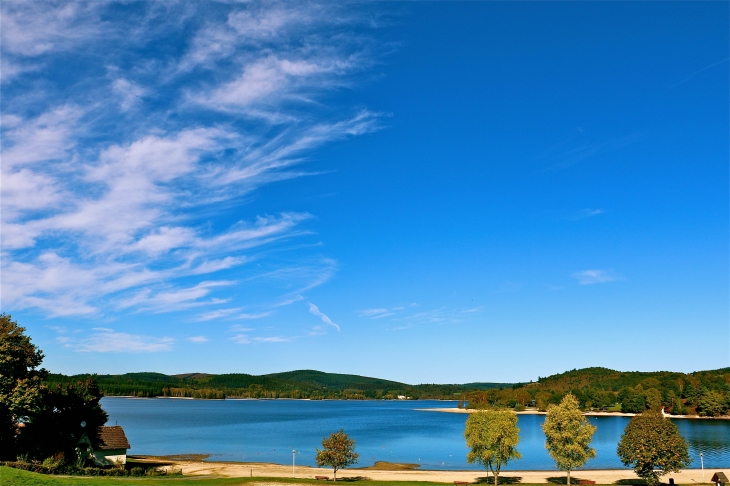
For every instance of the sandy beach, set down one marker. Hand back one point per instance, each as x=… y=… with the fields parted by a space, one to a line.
x=395 y=472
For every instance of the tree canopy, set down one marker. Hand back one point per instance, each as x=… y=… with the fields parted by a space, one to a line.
x=568 y=435
x=20 y=382
x=492 y=436
x=37 y=420
x=653 y=447
x=338 y=451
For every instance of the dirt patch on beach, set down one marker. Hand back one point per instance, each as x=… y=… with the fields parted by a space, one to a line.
x=392 y=466
x=174 y=457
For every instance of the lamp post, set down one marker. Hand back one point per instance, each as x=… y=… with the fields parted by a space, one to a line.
x=293 y=457
x=702 y=463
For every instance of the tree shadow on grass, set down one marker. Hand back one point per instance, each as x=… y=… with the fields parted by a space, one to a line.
x=502 y=480
x=564 y=480
x=352 y=479
x=631 y=482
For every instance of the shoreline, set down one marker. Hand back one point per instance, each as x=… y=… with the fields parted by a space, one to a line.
x=439 y=409
x=587 y=414
x=384 y=471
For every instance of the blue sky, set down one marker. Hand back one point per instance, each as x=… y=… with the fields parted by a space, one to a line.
x=421 y=191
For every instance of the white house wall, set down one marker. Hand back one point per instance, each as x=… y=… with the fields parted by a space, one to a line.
x=111 y=457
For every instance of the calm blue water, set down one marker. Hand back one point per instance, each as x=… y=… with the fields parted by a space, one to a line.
x=268 y=430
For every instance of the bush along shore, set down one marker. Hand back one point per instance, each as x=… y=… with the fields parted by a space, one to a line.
x=62 y=468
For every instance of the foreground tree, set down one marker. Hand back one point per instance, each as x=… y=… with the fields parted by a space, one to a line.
x=20 y=382
x=653 y=446
x=568 y=435
x=36 y=420
x=492 y=436
x=338 y=452
x=66 y=413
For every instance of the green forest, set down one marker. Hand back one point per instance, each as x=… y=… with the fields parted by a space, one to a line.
x=705 y=393
x=293 y=384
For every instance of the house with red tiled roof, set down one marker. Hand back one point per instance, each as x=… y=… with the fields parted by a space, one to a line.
x=109 y=450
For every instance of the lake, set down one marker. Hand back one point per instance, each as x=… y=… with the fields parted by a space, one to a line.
x=268 y=431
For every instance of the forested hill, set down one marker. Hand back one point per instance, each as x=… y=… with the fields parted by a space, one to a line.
x=607 y=379
x=701 y=392
x=292 y=384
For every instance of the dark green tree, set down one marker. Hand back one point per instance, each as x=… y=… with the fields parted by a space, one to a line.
x=338 y=451
x=67 y=412
x=653 y=447
x=712 y=404
x=20 y=382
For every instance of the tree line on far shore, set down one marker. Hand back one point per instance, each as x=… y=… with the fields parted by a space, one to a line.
x=703 y=393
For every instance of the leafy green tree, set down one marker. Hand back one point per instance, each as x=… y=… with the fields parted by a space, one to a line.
x=712 y=403
x=653 y=446
x=632 y=400
x=20 y=382
x=653 y=399
x=67 y=411
x=568 y=435
x=338 y=452
x=492 y=436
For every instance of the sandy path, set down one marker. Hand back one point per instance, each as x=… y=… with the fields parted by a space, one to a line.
x=230 y=469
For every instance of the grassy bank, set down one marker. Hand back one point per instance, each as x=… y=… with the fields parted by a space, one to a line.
x=15 y=477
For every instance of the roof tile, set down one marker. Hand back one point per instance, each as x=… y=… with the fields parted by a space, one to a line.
x=112 y=437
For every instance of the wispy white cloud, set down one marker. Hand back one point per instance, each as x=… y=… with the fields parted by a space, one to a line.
x=123 y=187
x=374 y=313
x=587 y=213
x=288 y=301
x=706 y=68
x=406 y=318
x=578 y=147
x=198 y=339
x=217 y=314
x=245 y=339
x=314 y=310
x=32 y=29
x=177 y=299
x=590 y=277
x=102 y=340
x=259 y=315
x=130 y=93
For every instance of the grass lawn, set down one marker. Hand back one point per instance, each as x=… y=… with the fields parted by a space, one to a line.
x=16 y=477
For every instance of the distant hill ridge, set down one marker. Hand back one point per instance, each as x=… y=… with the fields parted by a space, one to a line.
x=291 y=384
x=595 y=386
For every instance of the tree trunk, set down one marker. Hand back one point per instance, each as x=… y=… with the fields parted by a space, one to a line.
x=568 y=477
x=496 y=477
x=335 y=477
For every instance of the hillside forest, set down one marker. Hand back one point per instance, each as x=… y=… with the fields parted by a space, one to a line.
x=703 y=393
